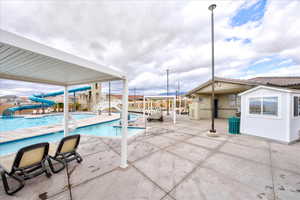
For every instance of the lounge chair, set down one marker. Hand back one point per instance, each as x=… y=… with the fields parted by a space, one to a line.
x=64 y=152
x=29 y=162
x=155 y=116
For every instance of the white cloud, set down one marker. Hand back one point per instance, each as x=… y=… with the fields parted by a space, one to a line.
x=262 y=60
x=293 y=70
x=288 y=61
x=144 y=38
x=7 y=92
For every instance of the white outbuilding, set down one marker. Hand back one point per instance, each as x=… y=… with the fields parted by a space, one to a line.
x=271 y=112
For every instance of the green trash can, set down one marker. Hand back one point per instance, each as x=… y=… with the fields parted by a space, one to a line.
x=234 y=125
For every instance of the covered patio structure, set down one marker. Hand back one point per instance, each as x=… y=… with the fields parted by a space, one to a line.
x=150 y=104
x=25 y=60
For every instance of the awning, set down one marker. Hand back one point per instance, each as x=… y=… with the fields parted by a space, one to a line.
x=25 y=60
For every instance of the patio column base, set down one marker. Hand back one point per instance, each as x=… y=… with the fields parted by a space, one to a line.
x=123 y=166
x=212 y=134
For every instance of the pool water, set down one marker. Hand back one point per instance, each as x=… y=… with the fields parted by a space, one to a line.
x=10 y=124
x=102 y=129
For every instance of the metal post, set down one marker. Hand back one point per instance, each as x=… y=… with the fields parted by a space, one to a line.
x=179 y=97
x=144 y=107
x=74 y=102
x=124 y=124
x=174 y=112
x=43 y=105
x=212 y=130
x=176 y=95
x=109 y=110
x=66 y=111
x=134 y=98
x=168 y=104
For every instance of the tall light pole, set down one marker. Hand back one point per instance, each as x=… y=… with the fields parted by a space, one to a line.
x=212 y=130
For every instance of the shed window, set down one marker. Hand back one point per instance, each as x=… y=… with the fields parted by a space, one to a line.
x=255 y=106
x=263 y=106
x=270 y=105
x=296 y=106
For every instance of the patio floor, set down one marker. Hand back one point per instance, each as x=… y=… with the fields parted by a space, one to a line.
x=175 y=162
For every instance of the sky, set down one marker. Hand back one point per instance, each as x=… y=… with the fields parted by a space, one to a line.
x=145 y=38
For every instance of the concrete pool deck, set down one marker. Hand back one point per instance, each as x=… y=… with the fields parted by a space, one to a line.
x=42 y=130
x=175 y=162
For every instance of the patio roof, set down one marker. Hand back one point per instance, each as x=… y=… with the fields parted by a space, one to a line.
x=160 y=97
x=25 y=60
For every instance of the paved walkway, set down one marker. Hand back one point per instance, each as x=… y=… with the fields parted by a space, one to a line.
x=176 y=162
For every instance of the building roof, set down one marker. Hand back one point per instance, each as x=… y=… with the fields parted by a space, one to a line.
x=280 y=89
x=225 y=80
x=267 y=81
x=25 y=60
x=278 y=81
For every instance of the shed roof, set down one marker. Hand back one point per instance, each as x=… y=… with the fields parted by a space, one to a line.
x=26 y=60
x=280 y=89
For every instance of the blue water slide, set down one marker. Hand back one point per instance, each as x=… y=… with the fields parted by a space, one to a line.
x=40 y=99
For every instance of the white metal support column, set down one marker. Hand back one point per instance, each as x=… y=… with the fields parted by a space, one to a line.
x=174 y=111
x=185 y=104
x=144 y=107
x=169 y=103
x=124 y=124
x=180 y=105
x=147 y=106
x=66 y=111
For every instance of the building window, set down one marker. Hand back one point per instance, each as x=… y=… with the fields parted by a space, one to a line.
x=238 y=103
x=270 y=106
x=263 y=106
x=232 y=98
x=255 y=106
x=296 y=106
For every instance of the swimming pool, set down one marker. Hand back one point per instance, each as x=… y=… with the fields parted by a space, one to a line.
x=10 y=124
x=106 y=129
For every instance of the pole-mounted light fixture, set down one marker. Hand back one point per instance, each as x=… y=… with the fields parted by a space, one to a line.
x=212 y=131
x=212 y=7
